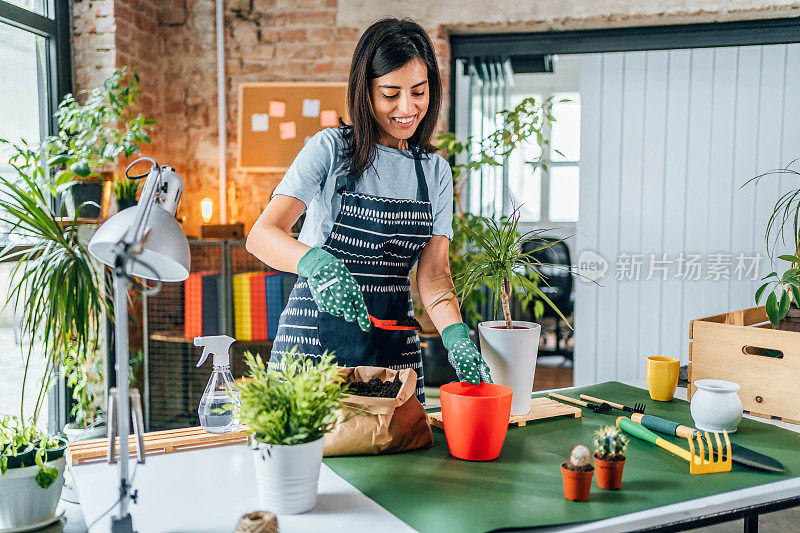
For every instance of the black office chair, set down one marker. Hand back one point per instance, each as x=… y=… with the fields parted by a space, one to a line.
x=558 y=288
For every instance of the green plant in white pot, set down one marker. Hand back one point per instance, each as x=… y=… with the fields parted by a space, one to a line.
x=509 y=347
x=54 y=282
x=287 y=411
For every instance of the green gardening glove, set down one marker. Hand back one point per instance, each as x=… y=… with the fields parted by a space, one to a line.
x=333 y=287
x=464 y=355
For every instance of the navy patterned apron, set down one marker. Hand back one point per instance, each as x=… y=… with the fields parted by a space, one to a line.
x=379 y=240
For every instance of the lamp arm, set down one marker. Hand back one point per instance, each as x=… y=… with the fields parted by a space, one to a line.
x=135 y=233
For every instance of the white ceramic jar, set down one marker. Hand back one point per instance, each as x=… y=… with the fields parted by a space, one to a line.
x=716 y=405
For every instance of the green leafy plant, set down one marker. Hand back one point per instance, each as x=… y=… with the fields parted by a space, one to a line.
x=781 y=290
x=293 y=404
x=84 y=374
x=522 y=125
x=609 y=443
x=125 y=189
x=502 y=262
x=18 y=437
x=96 y=132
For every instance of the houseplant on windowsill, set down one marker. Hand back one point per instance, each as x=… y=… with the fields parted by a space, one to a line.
x=609 y=457
x=125 y=192
x=288 y=411
x=782 y=291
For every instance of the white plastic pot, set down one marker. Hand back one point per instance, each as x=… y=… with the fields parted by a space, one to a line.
x=74 y=434
x=22 y=501
x=287 y=476
x=511 y=356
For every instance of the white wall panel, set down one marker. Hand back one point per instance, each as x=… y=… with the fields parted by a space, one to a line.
x=668 y=138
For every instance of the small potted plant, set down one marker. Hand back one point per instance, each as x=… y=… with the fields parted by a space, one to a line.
x=125 y=191
x=577 y=474
x=609 y=457
x=288 y=410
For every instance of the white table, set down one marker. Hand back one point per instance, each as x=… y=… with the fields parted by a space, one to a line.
x=208 y=490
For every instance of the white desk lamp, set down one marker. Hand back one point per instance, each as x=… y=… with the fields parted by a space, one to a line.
x=145 y=241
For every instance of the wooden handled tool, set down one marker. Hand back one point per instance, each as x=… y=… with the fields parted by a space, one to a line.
x=637 y=408
x=597 y=408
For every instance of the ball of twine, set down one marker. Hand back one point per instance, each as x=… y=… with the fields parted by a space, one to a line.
x=257 y=522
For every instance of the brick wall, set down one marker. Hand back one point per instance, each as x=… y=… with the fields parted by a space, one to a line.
x=172 y=45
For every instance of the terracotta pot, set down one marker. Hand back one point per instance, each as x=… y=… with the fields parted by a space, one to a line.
x=577 y=485
x=609 y=473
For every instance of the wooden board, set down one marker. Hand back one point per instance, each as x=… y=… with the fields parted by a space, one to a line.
x=265 y=151
x=156 y=443
x=541 y=408
x=768 y=384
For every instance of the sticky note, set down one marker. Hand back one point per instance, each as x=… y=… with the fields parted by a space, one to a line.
x=287 y=130
x=310 y=108
x=328 y=118
x=277 y=108
x=259 y=122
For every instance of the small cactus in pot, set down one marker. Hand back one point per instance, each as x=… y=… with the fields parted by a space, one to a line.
x=610 y=446
x=577 y=474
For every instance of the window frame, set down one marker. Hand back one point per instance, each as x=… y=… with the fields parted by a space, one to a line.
x=54 y=27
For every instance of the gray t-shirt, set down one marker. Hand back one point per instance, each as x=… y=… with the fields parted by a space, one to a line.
x=320 y=166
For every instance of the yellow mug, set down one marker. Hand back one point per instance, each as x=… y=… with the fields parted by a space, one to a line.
x=662 y=377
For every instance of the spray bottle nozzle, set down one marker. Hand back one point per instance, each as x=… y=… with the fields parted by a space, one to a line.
x=218 y=345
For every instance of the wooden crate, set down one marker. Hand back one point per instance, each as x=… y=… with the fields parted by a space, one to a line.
x=734 y=346
x=541 y=408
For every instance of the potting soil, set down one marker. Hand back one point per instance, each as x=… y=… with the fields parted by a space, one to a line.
x=374 y=388
x=433 y=491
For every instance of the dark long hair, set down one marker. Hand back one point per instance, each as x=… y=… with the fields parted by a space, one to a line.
x=384 y=47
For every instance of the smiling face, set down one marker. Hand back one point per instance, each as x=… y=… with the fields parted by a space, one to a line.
x=399 y=102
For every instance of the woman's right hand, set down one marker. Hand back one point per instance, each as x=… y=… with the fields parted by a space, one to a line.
x=333 y=287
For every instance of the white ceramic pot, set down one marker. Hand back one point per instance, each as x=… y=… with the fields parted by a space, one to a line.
x=287 y=476
x=716 y=405
x=511 y=356
x=22 y=501
x=75 y=434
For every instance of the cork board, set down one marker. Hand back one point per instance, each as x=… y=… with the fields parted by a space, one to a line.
x=276 y=118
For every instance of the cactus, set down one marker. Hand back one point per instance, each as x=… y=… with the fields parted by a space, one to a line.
x=579 y=458
x=610 y=443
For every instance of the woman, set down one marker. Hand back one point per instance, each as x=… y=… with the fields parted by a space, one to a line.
x=377 y=199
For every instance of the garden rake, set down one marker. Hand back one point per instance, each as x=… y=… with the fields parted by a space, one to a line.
x=700 y=462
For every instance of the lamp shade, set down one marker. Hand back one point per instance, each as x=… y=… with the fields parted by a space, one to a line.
x=166 y=253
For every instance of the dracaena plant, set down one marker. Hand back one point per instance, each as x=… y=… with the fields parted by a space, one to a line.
x=782 y=290
x=294 y=403
x=502 y=263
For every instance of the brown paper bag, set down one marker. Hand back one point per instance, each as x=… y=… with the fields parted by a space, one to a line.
x=369 y=426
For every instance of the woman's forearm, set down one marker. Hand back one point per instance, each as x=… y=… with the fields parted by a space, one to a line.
x=269 y=238
x=275 y=247
x=441 y=305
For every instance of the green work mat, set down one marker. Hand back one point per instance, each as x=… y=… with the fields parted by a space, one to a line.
x=433 y=491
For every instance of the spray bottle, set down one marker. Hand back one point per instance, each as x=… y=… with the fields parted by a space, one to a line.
x=219 y=406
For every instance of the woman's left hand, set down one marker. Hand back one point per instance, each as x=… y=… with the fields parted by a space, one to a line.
x=464 y=355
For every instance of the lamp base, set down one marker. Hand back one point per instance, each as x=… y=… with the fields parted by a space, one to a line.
x=222 y=231
x=123 y=524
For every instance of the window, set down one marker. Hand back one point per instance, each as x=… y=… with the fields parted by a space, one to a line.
x=34 y=74
x=551 y=195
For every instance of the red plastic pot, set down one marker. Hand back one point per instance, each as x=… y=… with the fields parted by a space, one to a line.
x=609 y=473
x=577 y=485
x=475 y=419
